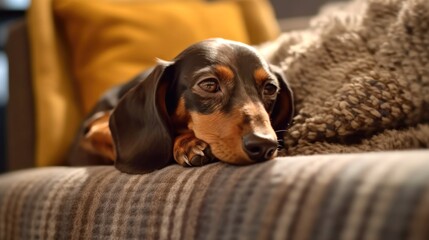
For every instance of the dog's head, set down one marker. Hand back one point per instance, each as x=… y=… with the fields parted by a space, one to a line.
x=222 y=90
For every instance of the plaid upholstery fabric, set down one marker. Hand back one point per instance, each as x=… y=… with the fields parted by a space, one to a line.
x=353 y=196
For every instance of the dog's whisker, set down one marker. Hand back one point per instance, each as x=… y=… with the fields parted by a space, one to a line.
x=280 y=131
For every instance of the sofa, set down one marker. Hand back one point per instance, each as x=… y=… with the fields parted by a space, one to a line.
x=356 y=193
x=339 y=196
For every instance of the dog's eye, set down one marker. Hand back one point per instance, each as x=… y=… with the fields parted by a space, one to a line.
x=270 y=89
x=210 y=85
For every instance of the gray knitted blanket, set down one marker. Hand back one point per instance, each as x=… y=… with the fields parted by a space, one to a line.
x=360 y=76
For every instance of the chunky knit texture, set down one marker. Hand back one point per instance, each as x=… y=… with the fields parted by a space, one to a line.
x=360 y=76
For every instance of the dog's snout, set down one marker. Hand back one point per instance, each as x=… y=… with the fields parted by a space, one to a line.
x=259 y=148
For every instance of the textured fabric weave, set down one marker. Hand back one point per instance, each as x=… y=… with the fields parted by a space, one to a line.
x=350 y=196
x=360 y=76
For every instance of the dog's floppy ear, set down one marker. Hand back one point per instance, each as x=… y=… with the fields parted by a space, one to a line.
x=283 y=110
x=140 y=124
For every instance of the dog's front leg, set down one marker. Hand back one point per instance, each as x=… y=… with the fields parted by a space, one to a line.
x=191 y=151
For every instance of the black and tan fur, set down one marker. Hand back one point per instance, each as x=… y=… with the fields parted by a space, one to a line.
x=218 y=99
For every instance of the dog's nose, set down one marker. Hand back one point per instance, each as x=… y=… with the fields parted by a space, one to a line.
x=259 y=148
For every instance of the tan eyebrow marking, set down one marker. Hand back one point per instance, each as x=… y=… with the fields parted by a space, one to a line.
x=260 y=75
x=225 y=72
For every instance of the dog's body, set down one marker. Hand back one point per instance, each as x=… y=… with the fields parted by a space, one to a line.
x=217 y=99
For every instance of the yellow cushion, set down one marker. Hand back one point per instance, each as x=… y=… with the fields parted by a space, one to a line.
x=112 y=42
x=56 y=112
x=260 y=20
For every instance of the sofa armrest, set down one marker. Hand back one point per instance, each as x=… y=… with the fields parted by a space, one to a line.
x=20 y=109
x=340 y=196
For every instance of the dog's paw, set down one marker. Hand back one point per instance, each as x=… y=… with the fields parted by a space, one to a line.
x=191 y=151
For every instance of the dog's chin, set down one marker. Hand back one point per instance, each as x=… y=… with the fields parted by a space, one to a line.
x=236 y=159
x=227 y=153
x=231 y=151
x=240 y=161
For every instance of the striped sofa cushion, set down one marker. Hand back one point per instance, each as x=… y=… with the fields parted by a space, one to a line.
x=350 y=196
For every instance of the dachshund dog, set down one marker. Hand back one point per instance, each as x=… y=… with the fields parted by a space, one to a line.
x=217 y=100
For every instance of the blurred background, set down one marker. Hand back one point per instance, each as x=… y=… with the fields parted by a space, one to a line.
x=11 y=10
